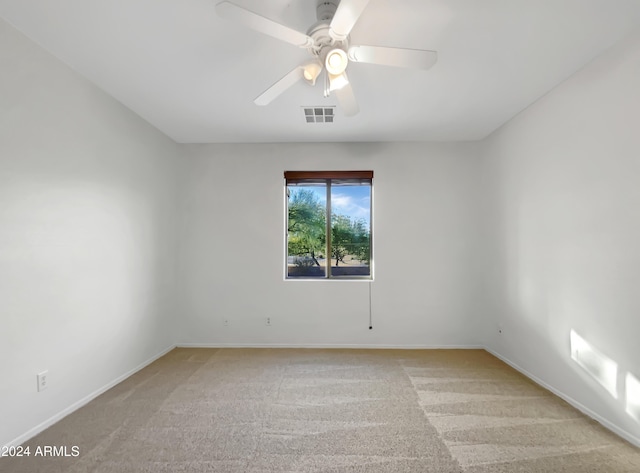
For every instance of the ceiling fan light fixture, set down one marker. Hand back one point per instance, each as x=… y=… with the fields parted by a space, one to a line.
x=311 y=71
x=336 y=61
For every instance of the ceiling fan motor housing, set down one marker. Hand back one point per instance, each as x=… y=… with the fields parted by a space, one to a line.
x=326 y=9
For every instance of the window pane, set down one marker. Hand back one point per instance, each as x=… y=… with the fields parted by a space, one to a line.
x=307 y=230
x=350 y=228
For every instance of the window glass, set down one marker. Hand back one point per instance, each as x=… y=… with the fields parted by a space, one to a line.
x=307 y=230
x=328 y=226
x=350 y=229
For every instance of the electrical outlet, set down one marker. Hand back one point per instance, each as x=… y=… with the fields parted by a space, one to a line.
x=268 y=321
x=43 y=380
x=226 y=322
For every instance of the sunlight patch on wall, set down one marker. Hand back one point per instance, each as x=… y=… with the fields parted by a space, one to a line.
x=602 y=368
x=633 y=396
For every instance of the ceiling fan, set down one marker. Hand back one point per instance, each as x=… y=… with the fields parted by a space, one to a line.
x=329 y=45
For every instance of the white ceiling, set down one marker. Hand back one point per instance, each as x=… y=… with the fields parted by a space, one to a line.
x=194 y=75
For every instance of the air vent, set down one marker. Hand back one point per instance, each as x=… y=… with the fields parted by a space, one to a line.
x=318 y=114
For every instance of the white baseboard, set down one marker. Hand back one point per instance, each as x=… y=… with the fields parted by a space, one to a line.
x=330 y=345
x=628 y=436
x=85 y=400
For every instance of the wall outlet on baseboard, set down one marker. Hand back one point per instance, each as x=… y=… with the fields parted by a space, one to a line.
x=267 y=321
x=43 y=380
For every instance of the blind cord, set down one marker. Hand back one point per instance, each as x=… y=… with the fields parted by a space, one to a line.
x=370 y=310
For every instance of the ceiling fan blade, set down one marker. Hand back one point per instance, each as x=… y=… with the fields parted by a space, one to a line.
x=279 y=87
x=264 y=25
x=347 y=99
x=345 y=18
x=397 y=57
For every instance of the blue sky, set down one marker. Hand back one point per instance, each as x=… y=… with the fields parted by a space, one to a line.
x=353 y=201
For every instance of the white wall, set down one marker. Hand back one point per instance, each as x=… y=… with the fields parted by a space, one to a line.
x=87 y=245
x=425 y=249
x=563 y=191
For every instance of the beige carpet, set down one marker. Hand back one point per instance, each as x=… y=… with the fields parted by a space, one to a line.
x=296 y=410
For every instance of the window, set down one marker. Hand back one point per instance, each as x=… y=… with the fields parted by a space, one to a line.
x=329 y=224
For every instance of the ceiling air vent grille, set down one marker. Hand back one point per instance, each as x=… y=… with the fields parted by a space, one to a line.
x=318 y=114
